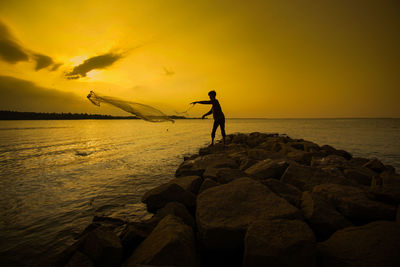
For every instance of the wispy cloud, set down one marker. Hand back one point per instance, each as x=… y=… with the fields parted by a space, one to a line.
x=11 y=51
x=97 y=62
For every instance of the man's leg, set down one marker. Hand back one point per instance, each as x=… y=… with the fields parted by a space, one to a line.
x=214 y=129
x=222 y=125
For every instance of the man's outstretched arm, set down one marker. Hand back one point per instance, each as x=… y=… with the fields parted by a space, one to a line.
x=202 y=102
x=208 y=113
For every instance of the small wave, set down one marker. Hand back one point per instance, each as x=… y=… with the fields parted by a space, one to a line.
x=31 y=128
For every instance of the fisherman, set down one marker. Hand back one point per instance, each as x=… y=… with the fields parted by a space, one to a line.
x=219 y=118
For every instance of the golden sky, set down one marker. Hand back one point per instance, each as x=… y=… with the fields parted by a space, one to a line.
x=272 y=59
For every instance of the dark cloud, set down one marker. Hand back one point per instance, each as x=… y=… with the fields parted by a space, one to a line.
x=22 y=95
x=12 y=52
x=42 y=61
x=97 y=62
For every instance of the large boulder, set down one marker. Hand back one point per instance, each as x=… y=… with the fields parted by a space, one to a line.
x=208 y=183
x=173 y=208
x=158 y=197
x=134 y=234
x=305 y=177
x=374 y=244
x=189 y=183
x=267 y=168
x=79 y=260
x=355 y=204
x=103 y=247
x=224 y=212
x=223 y=175
x=171 y=243
x=198 y=165
x=361 y=175
x=375 y=165
x=279 y=243
x=386 y=187
x=321 y=215
x=287 y=191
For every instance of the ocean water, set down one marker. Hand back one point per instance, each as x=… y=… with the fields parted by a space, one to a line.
x=56 y=175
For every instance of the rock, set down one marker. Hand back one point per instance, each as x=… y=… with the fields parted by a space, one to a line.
x=332 y=151
x=329 y=161
x=174 y=208
x=355 y=204
x=171 y=243
x=386 y=187
x=103 y=247
x=189 y=183
x=161 y=195
x=224 y=212
x=374 y=244
x=134 y=234
x=258 y=154
x=358 y=162
x=247 y=163
x=79 y=260
x=266 y=169
x=321 y=215
x=398 y=214
x=208 y=183
x=223 y=175
x=305 y=177
x=279 y=243
x=302 y=157
x=198 y=165
x=361 y=175
x=286 y=191
x=375 y=165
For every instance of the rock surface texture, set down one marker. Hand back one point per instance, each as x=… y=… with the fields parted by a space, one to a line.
x=259 y=200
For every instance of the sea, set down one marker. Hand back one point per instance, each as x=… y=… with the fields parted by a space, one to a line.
x=55 y=175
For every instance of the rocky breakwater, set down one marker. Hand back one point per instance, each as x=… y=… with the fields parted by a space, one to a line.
x=259 y=200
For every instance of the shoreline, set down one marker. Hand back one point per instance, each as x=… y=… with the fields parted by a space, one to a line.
x=227 y=203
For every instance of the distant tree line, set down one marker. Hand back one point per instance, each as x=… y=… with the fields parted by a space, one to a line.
x=16 y=115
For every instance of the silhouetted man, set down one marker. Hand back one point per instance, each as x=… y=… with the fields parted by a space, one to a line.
x=219 y=118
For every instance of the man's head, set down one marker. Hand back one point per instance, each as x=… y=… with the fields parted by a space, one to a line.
x=212 y=94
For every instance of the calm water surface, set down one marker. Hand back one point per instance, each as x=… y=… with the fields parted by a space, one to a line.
x=55 y=175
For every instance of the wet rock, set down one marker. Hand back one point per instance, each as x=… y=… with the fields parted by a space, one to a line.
x=386 y=187
x=374 y=244
x=375 y=165
x=208 y=183
x=305 y=177
x=321 y=215
x=358 y=162
x=199 y=165
x=189 y=183
x=161 y=195
x=279 y=243
x=174 y=208
x=361 y=175
x=266 y=169
x=103 y=247
x=134 y=234
x=171 y=243
x=355 y=204
x=223 y=175
x=302 y=157
x=247 y=163
x=224 y=212
x=258 y=154
x=79 y=260
x=332 y=151
x=329 y=161
x=286 y=191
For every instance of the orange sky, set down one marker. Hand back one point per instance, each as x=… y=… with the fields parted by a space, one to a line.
x=273 y=59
